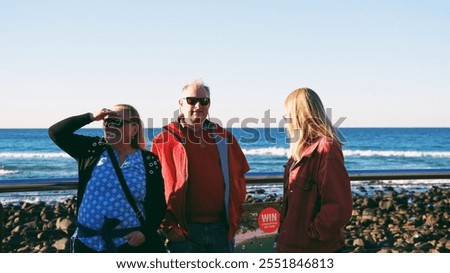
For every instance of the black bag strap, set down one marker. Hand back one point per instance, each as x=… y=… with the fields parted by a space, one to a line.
x=124 y=185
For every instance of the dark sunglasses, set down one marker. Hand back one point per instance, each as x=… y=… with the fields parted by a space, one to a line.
x=194 y=100
x=114 y=122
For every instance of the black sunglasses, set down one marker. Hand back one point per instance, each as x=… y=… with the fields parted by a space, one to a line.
x=114 y=122
x=194 y=100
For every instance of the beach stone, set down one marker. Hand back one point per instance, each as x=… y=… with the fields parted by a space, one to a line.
x=424 y=246
x=432 y=242
x=14 y=240
x=65 y=225
x=32 y=224
x=61 y=244
x=17 y=213
x=395 y=219
x=45 y=235
x=41 y=249
x=17 y=229
x=368 y=214
x=249 y=198
x=357 y=201
x=260 y=191
x=394 y=229
x=402 y=208
x=358 y=242
x=423 y=231
x=402 y=198
x=49 y=225
x=385 y=250
x=25 y=205
x=410 y=240
x=36 y=249
x=279 y=199
x=431 y=220
x=369 y=203
x=410 y=225
x=441 y=242
x=447 y=245
x=29 y=232
x=8 y=225
x=389 y=193
x=46 y=214
x=382 y=221
x=17 y=221
x=370 y=242
x=60 y=210
x=362 y=189
x=399 y=242
x=24 y=249
x=386 y=205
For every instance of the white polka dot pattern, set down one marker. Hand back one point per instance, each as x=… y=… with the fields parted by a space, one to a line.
x=104 y=197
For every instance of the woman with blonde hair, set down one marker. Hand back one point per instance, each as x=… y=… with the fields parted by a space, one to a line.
x=120 y=195
x=317 y=201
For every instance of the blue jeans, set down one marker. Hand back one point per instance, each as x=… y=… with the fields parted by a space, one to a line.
x=205 y=238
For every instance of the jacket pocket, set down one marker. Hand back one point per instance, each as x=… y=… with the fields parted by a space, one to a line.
x=303 y=183
x=300 y=212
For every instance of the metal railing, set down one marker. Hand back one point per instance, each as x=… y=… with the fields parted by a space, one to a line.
x=55 y=184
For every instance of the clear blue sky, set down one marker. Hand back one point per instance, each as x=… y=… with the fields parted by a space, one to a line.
x=377 y=63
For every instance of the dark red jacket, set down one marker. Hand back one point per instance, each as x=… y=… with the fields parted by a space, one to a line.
x=317 y=200
x=168 y=146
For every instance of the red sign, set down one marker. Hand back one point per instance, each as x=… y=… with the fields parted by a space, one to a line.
x=269 y=220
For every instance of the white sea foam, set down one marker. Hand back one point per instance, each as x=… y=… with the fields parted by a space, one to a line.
x=371 y=153
x=277 y=151
x=36 y=197
x=32 y=155
x=266 y=151
x=6 y=172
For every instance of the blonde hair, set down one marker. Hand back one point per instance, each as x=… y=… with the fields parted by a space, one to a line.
x=138 y=141
x=307 y=120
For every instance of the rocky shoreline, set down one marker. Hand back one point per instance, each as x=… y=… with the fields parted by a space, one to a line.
x=386 y=222
x=401 y=222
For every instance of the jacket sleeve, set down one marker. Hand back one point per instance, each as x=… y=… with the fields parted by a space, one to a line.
x=242 y=159
x=169 y=221
x=336 y=196
x=244 y=168
x=63 y=135
x=155 y=203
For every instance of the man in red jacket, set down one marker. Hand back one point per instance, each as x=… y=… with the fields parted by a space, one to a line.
x=204 y=172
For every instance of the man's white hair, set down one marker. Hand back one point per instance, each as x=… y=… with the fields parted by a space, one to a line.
x=198 y=83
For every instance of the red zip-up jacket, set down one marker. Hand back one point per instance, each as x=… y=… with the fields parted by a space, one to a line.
x=171 y=152
x=317 y=200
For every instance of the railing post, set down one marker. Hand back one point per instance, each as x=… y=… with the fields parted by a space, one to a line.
x=1 y=227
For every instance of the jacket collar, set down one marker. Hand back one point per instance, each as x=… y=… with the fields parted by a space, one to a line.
x=312 y=147
x=306 y=153
x=175 y=128
x=207 y=124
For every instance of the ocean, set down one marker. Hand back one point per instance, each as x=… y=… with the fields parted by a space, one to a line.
x=30 y=154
